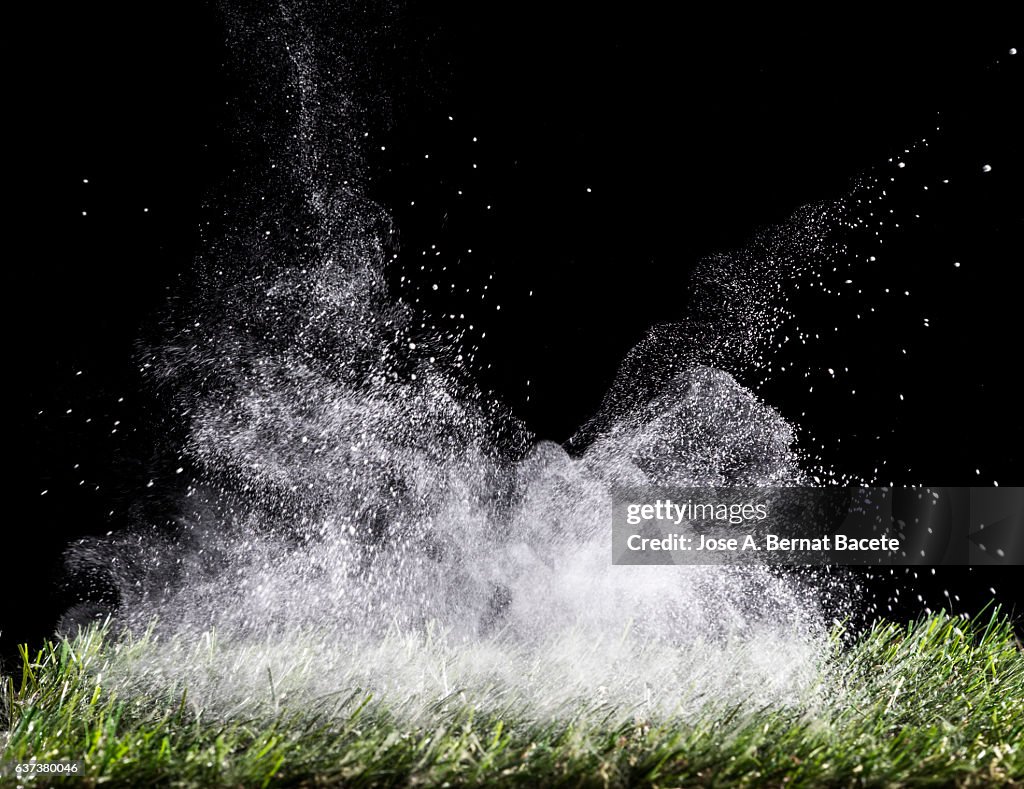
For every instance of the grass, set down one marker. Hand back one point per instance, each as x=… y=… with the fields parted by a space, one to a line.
x=936 y=702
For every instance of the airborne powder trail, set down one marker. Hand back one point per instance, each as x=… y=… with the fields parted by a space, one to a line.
x=362 y=516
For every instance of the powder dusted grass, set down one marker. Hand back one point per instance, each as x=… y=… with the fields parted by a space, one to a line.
x=937 y=702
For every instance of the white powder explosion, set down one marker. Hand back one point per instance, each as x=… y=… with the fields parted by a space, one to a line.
x=362 y=519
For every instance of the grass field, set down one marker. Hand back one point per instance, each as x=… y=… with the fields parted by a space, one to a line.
x=938 y=702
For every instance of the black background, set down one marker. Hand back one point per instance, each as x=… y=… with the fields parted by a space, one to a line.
x=691 y=133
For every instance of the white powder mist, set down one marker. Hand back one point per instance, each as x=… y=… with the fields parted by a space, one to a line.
x=362 y=519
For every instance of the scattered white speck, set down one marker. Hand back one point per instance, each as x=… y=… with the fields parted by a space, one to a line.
x=987 y=168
